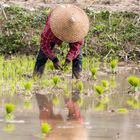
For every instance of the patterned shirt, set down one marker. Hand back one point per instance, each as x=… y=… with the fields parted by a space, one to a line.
x=48 y=40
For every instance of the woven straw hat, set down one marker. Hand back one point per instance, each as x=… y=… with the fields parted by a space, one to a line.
x=69 y=23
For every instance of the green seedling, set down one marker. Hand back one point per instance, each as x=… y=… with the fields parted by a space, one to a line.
x=27 y=86
x=98 y=89
x=44 y=83
x=85 y=62
x=66 y=91
x=12 y=88
x=45 y=128
x=105 y=83
x=94 y=72
x=80 y=86
x=100 y=106
x=28 y=104
x=9 y=128
x=5 y=74
x=113 y=65
x=112 y=82
x=134 y=82
x=50 y=66
x=56 y=80
x=56 y=101
x=105 y=100
x=134 y=103
x=66 y=69
x=122 y=110
x=80 y=102
x=9 y=108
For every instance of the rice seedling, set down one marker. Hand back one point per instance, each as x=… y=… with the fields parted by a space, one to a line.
x=66 y=69
x=122 y=110
x=66 y=91
x=44 y=83
x=100 y=106
x=56 y=80
x=9 y=108
x=12 y=88
x=80 y=86
x=105 y=83
x=105 y=100
x=27 y=86
x=112 y=82
x=86 y=63
x=28 y=104
x=5 y=74
x=94 y=72
x=134 y=103
x=50 y=66
x=94 y=61
x=45 y=128
x=134 y=82
x=98 y=89
x=113 y=65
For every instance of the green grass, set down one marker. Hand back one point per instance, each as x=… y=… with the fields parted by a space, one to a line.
x=109 y=32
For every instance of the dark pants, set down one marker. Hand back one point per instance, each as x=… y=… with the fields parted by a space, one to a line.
x=42 y=59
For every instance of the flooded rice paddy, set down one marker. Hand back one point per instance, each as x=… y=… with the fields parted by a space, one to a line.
x=74 y=114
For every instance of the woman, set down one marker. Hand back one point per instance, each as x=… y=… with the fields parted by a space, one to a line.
x=66 y=23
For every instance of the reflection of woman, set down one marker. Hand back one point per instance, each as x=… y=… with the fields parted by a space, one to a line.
x=62 y=130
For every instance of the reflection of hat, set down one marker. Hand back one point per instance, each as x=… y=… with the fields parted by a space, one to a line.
x=69 y=23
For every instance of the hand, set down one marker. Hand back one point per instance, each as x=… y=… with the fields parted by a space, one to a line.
x=56 y=64
x=67 y=62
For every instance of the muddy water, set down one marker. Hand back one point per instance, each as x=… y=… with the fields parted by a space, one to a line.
x=71 y=120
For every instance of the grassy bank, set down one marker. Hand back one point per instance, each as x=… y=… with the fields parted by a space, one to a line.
x=111 y=34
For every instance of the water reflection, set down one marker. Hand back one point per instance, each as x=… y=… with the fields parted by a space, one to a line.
x=65 y=117
x=9 y=128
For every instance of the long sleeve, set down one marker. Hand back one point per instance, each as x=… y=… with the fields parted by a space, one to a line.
x=48 y=40
x=47 y=49
x=74 y=50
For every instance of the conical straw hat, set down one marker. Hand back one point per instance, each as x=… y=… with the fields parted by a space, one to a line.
x=69 y=23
